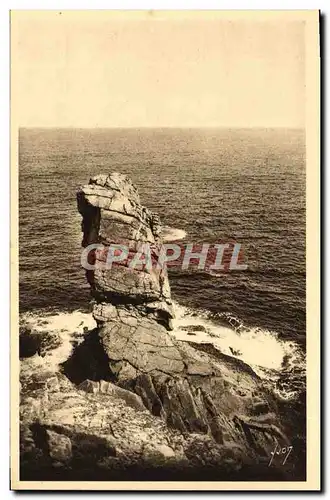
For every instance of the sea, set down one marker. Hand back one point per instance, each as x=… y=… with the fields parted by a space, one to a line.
x=207 y=185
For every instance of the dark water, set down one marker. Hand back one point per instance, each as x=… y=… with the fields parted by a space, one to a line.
x=246 y=185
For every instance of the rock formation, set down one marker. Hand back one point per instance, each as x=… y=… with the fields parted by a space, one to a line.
x=134 y=311
x=132 y=393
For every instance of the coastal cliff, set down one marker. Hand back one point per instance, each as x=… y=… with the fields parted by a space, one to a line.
x=127 y=400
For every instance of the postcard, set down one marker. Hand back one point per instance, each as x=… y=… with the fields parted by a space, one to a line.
x=165 y=309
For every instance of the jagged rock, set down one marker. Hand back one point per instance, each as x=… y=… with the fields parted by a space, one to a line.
x=147 y=347
x=260 y=407
x=112 y=213
x=145 y=388
x=159 y=454
x=130 y=398
x=60 y=448
x=133 y=310
x=31 y=343
x=90 y=386
x=105 y=387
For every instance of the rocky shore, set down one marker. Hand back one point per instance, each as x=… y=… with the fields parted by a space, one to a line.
x=127 y=400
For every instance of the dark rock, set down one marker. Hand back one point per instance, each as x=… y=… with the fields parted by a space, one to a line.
x=88 y=361
x=194 y=328
x=145 y=388
x=60 y=448
x=31 y=343
x=260 y=407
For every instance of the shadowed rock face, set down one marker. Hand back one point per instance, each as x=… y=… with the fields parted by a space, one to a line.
x=126 y=400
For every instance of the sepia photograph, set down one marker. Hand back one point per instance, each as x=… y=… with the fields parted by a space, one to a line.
x=165 y=282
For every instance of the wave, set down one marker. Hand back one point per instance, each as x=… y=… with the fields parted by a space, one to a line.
x=270 y=357
x=173 y=233
x=263 y=350
x=69 y=327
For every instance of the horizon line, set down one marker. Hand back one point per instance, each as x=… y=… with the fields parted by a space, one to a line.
x=52 y=127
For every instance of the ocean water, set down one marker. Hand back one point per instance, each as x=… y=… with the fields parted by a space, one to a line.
x=207 y=185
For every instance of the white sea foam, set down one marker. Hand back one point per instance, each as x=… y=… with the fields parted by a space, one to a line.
x=60 y=322
x=173 y=234
x=261 y=349
x=65 y=325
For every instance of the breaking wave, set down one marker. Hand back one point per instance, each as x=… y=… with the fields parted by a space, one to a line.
x=268 y=355
x=173 y=234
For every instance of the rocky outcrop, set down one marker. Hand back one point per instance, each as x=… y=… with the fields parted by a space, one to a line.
x=130 y=396
x=112 y=215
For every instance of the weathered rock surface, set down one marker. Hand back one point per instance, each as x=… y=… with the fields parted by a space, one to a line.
x=112 y=214
x=131 y=398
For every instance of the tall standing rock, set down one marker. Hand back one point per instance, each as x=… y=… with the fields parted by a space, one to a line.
x=112 y=215
x=132 y=305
